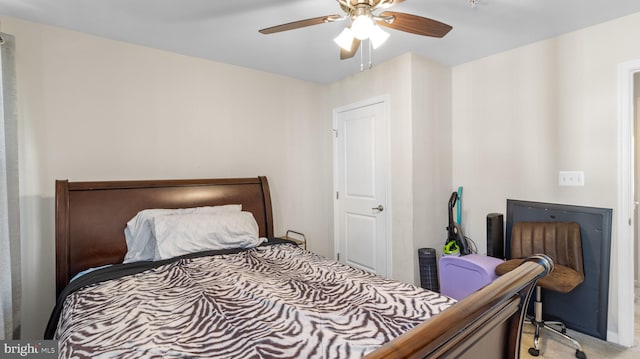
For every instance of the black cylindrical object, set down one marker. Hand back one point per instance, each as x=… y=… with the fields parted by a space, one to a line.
x=495 y=235
x=428 y=263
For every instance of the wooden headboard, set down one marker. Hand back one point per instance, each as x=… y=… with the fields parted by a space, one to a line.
x=91 y=216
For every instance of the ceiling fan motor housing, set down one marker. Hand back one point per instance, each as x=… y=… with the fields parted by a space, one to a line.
x=349 y=6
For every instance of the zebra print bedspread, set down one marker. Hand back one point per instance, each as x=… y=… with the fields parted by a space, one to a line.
x=275 y=301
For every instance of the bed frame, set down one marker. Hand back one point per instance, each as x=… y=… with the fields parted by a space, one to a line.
x=91 y=216
x=90 y=222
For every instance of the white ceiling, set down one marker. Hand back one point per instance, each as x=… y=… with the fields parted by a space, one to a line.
x=227 y=31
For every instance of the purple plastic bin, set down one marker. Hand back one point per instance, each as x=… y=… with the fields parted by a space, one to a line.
x=461 y=276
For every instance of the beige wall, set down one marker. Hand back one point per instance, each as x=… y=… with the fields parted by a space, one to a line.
x=431 y=153
x=419 y=120
x=95 y=109
x=521 y=116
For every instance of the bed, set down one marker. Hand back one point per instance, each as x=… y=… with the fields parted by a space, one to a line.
x=289 y=302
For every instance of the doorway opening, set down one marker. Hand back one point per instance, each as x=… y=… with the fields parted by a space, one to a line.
x=625 y=272
x=636 y=172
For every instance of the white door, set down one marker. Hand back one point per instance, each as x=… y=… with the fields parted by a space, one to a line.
x=361 y=181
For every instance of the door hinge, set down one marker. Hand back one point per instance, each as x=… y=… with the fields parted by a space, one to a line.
x=337 y=195
x=338 y=256
x=336 y=133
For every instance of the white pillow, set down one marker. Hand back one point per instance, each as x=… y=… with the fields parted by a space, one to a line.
x=188 y=233
x=141 y=244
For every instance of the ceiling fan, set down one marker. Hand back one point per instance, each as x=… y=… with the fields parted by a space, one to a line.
x=365 y=23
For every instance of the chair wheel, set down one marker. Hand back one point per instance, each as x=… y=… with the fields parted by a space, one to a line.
x=579 y=354
x=535 y=352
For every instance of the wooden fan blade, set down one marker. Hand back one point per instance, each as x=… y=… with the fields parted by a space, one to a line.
x=415 y=24
x=344 y=54
x=299 y=24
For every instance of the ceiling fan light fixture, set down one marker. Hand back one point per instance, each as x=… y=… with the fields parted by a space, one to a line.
x=378 y=36
x=345 y=39
x=362 y=27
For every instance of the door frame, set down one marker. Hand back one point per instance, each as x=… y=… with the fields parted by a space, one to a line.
x=388 y=211
x=625 y=221
x=636 y=211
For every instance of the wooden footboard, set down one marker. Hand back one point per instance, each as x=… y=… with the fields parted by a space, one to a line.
x=487 y=324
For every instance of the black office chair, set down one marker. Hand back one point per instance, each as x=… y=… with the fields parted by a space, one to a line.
x=562 y=242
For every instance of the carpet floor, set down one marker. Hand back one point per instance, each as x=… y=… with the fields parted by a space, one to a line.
x=555 y=347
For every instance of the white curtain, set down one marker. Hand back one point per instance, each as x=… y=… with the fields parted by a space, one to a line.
x=9 y=196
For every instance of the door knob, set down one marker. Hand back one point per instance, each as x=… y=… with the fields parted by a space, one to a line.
x=379 y=208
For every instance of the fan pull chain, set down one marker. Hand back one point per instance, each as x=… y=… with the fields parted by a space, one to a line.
x=370 y=57
x=370 y=54
x=361 y=60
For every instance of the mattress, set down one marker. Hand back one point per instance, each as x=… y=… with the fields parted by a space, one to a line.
x=272 y=301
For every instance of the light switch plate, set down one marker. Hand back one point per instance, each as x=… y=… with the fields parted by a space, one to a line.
x=571 y=178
